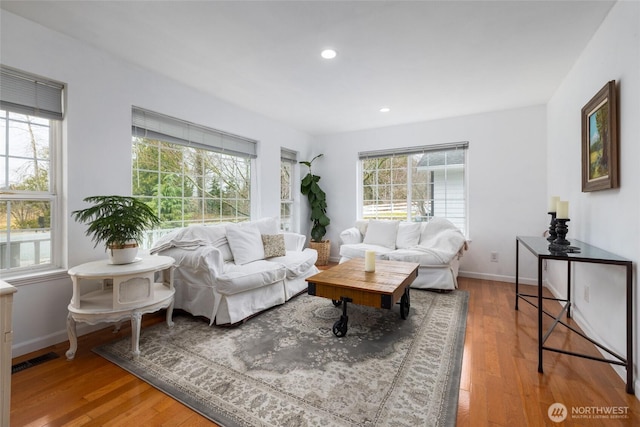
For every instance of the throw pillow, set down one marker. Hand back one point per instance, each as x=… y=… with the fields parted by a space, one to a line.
x=408 y=235
x=245 y=243
x=268 y=225
x=273 y=245
x=382 y=233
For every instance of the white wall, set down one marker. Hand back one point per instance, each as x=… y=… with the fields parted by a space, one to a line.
x=97 y=158
x=506 y=180
x=609 y=219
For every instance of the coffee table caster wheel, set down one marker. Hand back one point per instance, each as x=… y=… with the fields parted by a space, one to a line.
x=340 y=328
x=404 y=306
x=336 y=302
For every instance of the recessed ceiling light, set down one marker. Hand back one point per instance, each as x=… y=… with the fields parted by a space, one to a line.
x=328 y=54
x=385 y=109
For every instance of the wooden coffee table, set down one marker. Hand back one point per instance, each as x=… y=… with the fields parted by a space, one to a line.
x=348 y=282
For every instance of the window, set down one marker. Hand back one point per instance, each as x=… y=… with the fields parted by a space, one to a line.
x=288 y=160
x=188 y=173
x=30 y=128
x=415 y=184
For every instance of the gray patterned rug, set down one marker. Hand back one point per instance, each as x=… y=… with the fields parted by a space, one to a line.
x=285 y=367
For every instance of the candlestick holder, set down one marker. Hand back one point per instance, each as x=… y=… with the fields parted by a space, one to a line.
x=561 y=244
x=552 y=227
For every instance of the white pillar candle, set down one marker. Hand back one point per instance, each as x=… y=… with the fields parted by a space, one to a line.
x=553 y=203
x=563 y=210
x=370 y=261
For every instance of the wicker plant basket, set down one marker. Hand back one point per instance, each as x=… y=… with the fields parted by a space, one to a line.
x=323 y=249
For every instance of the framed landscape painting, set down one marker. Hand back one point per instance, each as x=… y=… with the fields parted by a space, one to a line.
x=600 y=140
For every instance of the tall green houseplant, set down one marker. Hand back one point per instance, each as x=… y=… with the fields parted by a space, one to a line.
x=317 y=202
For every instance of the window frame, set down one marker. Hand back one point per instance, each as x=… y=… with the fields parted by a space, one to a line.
x=290 y=158
x=168 y=133
x=34 y=96
x=410 y=151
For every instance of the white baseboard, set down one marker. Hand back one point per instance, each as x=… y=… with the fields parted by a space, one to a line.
x=52 y=339
x=498 y=278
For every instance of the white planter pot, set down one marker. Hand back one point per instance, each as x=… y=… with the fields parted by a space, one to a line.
x=124 y=254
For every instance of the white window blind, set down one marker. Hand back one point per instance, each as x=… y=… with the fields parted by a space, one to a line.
x=408 y=151
x=29 y=94
x=149 y=124
x=288 y=155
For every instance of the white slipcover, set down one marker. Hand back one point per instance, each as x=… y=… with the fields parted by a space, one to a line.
x=208 y=283
x=436 y=245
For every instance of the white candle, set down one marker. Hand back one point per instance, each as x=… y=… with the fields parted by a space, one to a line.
x=370 y=261
x=553 y=203
x=563 y=210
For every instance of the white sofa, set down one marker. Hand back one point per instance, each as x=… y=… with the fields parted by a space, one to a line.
x=225 y=272
x=437 y=245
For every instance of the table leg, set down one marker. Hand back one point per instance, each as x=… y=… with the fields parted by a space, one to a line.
x=540 y=308
x=170 y=314
x=629 y=329
x=136 y=321
x=569 y=289
x=517 y=264
x=405 y=304
x=340 y=327
x=73 y=337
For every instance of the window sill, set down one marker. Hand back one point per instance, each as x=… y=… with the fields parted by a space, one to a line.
x=31 y=278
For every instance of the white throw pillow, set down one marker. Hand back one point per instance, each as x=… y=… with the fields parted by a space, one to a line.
x=408 y=235
x=268 y=225
x=382 y=233
x=246 y=243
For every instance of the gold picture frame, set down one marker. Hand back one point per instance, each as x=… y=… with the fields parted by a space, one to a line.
x=600 y=141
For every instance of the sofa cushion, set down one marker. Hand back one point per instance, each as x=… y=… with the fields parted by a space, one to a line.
x=273 y=245
x=240 y=278
x=357 y=250
x=408 y=235
x=382 y=233
x=297 y=263
x=246 y=243
x=421 y=255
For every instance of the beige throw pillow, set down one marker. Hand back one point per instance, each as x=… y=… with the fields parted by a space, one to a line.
x=273 y=245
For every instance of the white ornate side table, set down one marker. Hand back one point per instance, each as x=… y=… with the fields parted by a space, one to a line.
x=104 y=292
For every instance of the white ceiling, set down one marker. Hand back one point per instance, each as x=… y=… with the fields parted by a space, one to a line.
x=423 y=59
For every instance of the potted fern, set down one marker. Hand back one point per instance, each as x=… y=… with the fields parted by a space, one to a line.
x=318 y=205
x=119 y=222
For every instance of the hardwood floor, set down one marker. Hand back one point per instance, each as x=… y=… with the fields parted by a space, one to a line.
x=499 y=386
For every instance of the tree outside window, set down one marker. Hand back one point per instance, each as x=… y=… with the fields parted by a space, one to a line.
x=414 y=185
x=25 y=180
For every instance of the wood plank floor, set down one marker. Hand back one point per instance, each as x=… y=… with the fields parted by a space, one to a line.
x=499 y=386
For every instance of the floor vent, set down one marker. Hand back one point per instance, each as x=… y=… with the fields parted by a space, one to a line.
x=33 y=362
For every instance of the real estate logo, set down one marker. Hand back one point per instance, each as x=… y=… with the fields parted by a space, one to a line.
x=557 y=412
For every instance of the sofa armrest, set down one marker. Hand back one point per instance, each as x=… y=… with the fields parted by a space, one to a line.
x=351 y=236
x=294 y=241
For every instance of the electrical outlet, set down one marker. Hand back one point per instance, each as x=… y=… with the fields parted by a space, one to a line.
x=494 y=256
x=586 y=293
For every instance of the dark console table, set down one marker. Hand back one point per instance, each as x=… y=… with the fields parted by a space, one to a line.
x=539 y=246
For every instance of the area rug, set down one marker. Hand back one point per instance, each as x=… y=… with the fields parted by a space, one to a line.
x=285 y=367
